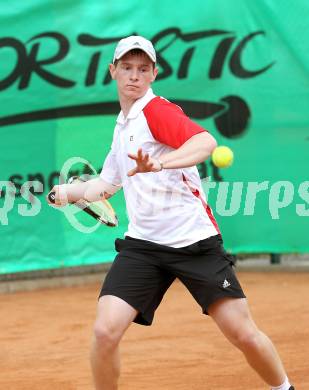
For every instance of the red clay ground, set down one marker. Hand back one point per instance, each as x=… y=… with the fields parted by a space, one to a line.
x=45 y=337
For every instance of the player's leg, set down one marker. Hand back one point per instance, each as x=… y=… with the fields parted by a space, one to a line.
x=206 y=270
x=114 y=316
x=132 y=290
x=235 y=321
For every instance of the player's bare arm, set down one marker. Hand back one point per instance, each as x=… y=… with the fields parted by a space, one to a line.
x=91 y=190
x=197 y=149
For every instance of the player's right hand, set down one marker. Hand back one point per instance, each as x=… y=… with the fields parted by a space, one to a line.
x=61 y=198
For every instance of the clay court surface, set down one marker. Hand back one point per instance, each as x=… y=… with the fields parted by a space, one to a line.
x=45 y=337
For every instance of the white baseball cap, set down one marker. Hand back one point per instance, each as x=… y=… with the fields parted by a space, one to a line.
x=134 y=42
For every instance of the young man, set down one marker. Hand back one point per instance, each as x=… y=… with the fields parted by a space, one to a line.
x=172 y=232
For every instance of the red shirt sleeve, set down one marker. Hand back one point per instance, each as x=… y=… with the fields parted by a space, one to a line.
x=168 y=123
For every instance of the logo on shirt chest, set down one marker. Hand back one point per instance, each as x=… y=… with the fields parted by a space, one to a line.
x=131 y=138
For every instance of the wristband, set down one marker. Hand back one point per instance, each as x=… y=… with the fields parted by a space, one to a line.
x=161 y=164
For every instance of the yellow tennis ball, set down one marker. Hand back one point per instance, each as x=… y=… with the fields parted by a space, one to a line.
x=222 y=157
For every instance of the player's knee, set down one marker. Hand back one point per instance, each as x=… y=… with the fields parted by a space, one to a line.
x=106 y=336
x=247 y=340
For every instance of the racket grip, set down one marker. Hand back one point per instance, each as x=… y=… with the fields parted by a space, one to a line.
x=52 y=196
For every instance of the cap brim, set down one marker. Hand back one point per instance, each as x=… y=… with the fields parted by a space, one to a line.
x=132 y=48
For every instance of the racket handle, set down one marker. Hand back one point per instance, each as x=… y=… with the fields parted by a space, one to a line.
x=52 y=197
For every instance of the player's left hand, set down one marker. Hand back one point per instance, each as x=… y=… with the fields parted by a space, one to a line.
x=144 y=163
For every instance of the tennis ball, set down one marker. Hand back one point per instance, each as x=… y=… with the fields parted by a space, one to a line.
x=222 y=157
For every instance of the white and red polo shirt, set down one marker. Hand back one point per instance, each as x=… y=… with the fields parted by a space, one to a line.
x=166 y=207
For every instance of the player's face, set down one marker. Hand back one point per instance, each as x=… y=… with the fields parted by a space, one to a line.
x=134 y=74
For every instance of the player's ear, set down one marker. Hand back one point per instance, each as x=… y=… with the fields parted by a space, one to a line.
x=112 y=70
x=154 y=74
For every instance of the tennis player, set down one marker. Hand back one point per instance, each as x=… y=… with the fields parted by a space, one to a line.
x=172 y=232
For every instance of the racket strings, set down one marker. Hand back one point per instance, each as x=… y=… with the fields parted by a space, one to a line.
x=100 y=210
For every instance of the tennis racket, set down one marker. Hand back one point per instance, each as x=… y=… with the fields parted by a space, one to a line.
x=101 y=210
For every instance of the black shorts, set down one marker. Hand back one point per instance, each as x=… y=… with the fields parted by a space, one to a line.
x=143 y=271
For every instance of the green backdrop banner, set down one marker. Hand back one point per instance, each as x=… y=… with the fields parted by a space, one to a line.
x=240 y=69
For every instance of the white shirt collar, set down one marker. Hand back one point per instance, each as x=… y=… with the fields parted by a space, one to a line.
x=137 y=107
